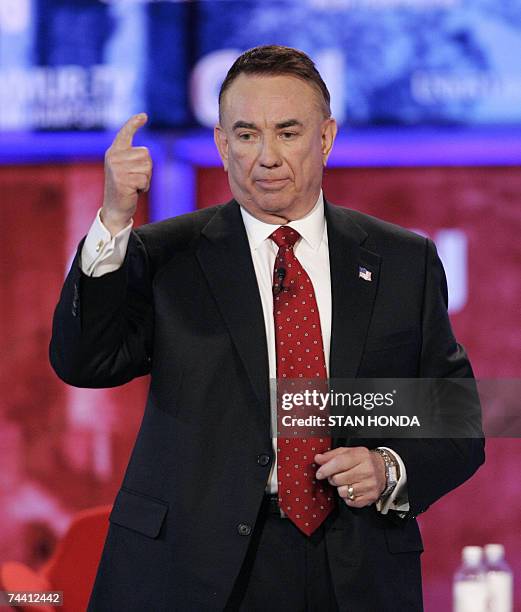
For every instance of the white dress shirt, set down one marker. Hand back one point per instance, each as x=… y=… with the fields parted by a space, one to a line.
x=103 y=253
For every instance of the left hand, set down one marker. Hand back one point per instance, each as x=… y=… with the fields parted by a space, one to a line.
x=355 y=466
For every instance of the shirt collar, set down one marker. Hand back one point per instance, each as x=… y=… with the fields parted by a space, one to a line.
x=310 y=227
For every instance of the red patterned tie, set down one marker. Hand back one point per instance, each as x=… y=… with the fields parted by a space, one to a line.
x=300 y=354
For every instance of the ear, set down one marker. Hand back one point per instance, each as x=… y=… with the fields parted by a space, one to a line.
x=329 y=131
x=221 y=142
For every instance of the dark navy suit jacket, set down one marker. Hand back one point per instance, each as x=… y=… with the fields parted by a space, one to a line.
x=185 y=307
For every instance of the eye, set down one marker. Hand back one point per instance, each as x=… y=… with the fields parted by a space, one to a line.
x=288 y=135
x=245 y=136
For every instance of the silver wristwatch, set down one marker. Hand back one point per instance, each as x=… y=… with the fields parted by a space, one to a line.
x=392 y=472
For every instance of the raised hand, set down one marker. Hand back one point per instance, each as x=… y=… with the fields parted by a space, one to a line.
x=128 y=171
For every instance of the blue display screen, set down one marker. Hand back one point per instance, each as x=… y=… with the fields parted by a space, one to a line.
x=89 y=64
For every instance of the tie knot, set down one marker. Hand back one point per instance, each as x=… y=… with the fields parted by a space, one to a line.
x=285 y=236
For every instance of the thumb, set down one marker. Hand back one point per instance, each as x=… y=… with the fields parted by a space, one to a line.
x=124 y=137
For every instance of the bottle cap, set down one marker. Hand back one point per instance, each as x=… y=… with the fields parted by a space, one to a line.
x=472 y=555
x=494 y=552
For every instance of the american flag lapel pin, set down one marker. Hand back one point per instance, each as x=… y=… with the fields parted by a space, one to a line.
x=364 y=273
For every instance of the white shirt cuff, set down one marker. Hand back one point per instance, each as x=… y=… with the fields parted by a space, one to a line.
x=398 y=500
x=101 y=252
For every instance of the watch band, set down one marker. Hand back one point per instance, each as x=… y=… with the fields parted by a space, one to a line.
x=391 y=471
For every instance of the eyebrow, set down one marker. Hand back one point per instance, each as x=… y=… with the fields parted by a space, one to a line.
x=279 y=126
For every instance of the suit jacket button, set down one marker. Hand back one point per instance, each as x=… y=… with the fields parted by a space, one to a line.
x=263 y=459
x=244 y=529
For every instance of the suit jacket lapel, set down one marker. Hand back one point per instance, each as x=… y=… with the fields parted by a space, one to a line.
x=352 y=295
x=224 y=256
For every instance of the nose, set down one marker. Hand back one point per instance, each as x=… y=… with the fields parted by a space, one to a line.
x=269 y=156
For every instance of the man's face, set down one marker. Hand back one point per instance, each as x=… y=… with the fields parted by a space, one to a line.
x=274 y=142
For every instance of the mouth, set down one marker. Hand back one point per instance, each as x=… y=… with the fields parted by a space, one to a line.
x=272 y=184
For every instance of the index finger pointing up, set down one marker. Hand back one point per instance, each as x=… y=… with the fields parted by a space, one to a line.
x=125 y=135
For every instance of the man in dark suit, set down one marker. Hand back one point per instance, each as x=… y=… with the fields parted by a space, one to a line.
x=213 y=512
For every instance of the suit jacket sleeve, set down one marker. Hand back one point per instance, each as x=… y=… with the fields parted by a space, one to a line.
x=435 y=465
x=102 y=327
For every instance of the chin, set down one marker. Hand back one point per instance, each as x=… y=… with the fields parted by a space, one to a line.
x=273 y=202
x=274 y=207
x=268 y=203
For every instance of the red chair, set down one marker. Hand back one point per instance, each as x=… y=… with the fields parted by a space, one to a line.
x=71 y=568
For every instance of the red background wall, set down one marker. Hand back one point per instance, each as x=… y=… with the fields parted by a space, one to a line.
x=485 y=204
x=61 y=448
x=64 y=449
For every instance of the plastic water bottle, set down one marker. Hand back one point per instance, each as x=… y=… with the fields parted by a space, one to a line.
x=470 y=585
x=499 y=579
